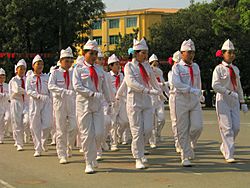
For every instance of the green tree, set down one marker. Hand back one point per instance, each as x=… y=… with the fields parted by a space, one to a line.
x=35 y=26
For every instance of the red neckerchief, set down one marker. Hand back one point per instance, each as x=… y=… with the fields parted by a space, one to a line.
x=117 y=81
x=93 y=75
x=23 y=86
x=144 y=74
x=66 y=78
x=38 y=83
x=191 y=72
x=232 y=77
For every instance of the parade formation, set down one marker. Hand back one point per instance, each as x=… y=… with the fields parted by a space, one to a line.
x=85 y=106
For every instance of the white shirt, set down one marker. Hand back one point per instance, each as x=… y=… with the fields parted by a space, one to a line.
x=221 y=81
x=181 y=78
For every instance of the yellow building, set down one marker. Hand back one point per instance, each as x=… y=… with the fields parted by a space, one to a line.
x=106 y=31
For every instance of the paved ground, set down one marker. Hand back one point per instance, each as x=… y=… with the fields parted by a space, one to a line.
x=21 y=169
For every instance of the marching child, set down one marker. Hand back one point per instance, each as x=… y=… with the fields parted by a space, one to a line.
x=90 y=86
x=226 y=83
x=4 y=106
x=188 y=114
x=19 y=103
x=141 y=84
x=40 y=108
x=60 y=84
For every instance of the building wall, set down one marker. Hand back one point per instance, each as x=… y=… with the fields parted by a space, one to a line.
x=145 y=19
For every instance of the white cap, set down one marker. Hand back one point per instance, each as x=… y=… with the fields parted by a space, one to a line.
x=112 y=59
x=228 y=45
x=100 y=54
x=20 y=63
x=66 y=53
x=153 y=58
x=177 y=56
x=140 y=45
x=2 y=71
x=36 y=58
x=91 y=45
x=187 y=45
x=80 y=60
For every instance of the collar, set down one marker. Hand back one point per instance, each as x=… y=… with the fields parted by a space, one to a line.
x=113 y=74
x=226 y=64
x=88 y=65
x=185 y=64
x=61 y=69
x=19 y=78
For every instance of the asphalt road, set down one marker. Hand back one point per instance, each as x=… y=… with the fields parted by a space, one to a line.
x=21 y=169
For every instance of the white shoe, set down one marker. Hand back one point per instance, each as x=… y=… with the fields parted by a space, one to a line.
x=114 y=148
x=186 y=163
x=153 y=146
x=81 y=150
x=89 y=169
x=178 y=150
x=231 y=160
x=139 y=164
x=69 y=153
x=1 y=142
x=94 y=164
x=63 y=160
x=52 y=143
x=105 y=146
x=99 y=158
x=144 y=160
x=19 y=148
x=124 y=143
x=15 y=144
x=37 y=154
x=222 y=151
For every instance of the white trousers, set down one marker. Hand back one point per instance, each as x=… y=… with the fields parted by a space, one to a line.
x=188 y=122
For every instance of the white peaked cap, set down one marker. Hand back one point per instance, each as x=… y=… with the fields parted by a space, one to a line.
x=113 y=59
x=20 y=63
x=153 y=58
x=80 y=60
x=177 y=56
x=36 y=58
x=2 y=71
x=91 y=45
x=100 y=54
x=66 y=53
x=140 y=45
x=228 y=45
x=187 y=45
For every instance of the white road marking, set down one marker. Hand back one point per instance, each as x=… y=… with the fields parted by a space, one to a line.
x=5 y=184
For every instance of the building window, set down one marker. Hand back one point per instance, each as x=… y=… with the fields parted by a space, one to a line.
x=98 y=40
x=132 y=22
x=97 y=24
x=114 y=23
x=114 y=39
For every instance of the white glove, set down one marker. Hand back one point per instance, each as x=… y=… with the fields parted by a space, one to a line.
x=98 y=95
x=202 y=99
x=20 y=90
x=244 y=108
x=43 y=97
x=109 y=109
x=195 y=91
x=154 y=92
x=69 y=92
x=234 y=95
